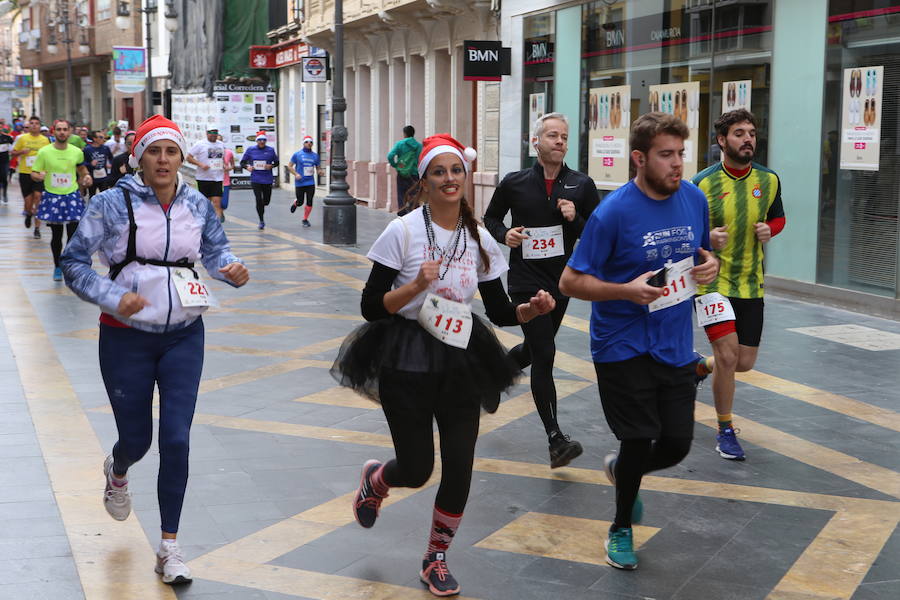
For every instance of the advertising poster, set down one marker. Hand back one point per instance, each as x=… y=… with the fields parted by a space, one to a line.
x=683 y=101
x=609 y=120
x=129 y=69
x=536 y=108
x=7 y=89
x=238 y=111
x=861 y=118
x=736 y=94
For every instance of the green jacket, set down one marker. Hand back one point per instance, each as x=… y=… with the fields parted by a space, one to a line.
x=404 y=157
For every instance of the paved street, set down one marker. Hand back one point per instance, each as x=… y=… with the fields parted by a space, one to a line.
x=277 y=447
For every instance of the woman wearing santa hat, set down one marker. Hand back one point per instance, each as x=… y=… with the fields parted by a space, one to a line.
x=261 y=159
x=150 y=229
x=423 y=355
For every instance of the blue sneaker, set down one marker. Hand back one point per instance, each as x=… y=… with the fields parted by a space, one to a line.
x=57 y=274
x=262 y=225
x=727 y=445
x=620 y=549
x=609 y=467
x=366 y=503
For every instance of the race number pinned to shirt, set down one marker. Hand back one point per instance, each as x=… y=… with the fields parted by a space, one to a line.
x=216 y=164
x=191 y=289
x=680 y=285
x=309 y=171
x=29 y=160
x=98 y=173
x=259 y=165
x=713 y=308
x=543 y=242
x=448 y=321
x=60 y=180
x=4 y=147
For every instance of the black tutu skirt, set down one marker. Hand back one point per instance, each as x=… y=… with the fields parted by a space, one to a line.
x=479 y=373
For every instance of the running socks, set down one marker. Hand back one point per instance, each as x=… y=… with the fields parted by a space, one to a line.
x=379 y=485
x=443 y=528
x=724 y=421
x=306 y=211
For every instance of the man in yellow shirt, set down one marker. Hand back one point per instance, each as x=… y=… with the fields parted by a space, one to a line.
x=26 y=149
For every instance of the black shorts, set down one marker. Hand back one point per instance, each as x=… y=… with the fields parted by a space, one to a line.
x=645 y=399
x=305 y=191
x=28 y=185
x=748 y=322
x=210 y=188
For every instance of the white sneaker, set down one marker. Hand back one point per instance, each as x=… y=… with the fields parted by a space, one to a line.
x=116 y=499
x=170 y=563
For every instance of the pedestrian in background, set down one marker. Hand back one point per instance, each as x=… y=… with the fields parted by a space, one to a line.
x=260 y=160
x=305 y=165
x=404 y=158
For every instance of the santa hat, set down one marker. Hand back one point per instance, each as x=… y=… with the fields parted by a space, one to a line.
x=152 y=130
x=442 y=143
x=261 y=135
x=308 y=138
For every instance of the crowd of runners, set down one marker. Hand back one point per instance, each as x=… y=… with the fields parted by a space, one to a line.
x=655 y=257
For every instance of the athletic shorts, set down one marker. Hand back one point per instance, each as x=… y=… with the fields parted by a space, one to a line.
x=645 y=399
x=304 y=193
x=748 y=322
x=28 y=185
x=210 y=188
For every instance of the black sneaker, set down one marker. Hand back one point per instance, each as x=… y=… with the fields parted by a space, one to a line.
x=306 y=223
x=293 y=208
x=563 y=450
x=367 y=503
x=437 y=576
x=37 y=233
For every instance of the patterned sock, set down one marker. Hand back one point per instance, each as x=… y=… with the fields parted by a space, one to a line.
x=379 y=485
x=705 y=366
x=443 y=528
x=306 y=211
x=724 y=421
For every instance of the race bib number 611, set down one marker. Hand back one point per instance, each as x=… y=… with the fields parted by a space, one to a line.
x=680 y=285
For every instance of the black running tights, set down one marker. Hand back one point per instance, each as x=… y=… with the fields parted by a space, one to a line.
x=539 y=351
x=637 y=457
x=263 y=194
x=411 y=402
x=56 y=245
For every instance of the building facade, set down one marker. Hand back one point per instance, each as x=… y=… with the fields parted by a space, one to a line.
x=796 y=64
x=59 y=37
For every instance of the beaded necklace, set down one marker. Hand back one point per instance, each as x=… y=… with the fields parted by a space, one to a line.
x=452 y=245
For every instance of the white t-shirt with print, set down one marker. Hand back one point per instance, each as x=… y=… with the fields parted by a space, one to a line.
x=462 y=278
x=212 y=154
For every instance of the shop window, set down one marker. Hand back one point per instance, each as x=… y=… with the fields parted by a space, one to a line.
x=537 y=76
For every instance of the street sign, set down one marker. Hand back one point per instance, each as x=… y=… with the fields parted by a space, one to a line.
x=315 y=69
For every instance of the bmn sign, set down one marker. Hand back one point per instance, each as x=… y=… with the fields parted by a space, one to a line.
x=485 y=61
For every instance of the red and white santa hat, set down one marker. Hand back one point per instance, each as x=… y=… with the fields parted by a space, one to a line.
x=308 y=138
x=441 y=143
x=261 y=135
x=152 y=130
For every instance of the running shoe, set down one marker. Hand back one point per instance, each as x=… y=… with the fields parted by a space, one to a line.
x=116 y=499
x=306 y=223
x=170 y=563
x=293 y=208
x=222 y=218
x=37 y=233
x=27 y=219
x=620 y=549
x=367 y=503
x=563 y=450
x=437 y=576
x=262 y=225
x=699 y=379
x=727 y=445
x=57 y=274
x=609 y=467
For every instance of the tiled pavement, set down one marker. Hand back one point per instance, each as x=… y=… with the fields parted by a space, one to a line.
x=276 y=451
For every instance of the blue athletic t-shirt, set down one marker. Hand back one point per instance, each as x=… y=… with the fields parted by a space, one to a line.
x=629 y=234
x=303 y=161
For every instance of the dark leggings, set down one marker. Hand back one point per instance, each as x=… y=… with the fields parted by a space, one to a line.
x=56 y=245
x=305 y=191
x=4 y=172
x=637 y=457
x=411 y=401
x=132 y=363
x=263 y=193
x=539 y=351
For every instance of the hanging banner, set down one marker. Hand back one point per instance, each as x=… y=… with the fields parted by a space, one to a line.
x=129 y=69
x=609 y=121
x=536 y=109
x=861 y=118
x=736 y=94
x=683 y=101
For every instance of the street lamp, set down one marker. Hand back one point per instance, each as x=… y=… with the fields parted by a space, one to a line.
x=340 y=207
x=123 y=12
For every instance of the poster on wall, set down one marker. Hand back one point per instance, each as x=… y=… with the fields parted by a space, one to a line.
x=536 y=108
x=683 y=101
x=129 y=69
x=609 y=120
x=238 y=111
x=861 y=118
x=736 y=95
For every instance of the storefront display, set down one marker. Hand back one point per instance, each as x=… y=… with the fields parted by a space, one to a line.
x=609 y=119
x=683 y=101
x=736 y=95
x=861 y=118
